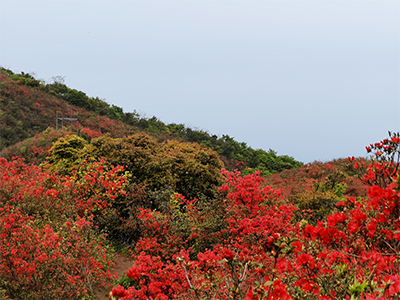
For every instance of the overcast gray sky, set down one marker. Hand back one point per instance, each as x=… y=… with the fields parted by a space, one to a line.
x=315 y=80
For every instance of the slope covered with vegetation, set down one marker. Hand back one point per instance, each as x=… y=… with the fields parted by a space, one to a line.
x=321 y=231
x=192 y=228
x=27 y=109
x=29 y=106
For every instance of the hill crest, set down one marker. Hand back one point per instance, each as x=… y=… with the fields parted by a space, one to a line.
x=30 y=106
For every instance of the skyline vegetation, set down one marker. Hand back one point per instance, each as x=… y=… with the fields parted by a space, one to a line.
x=29 y=107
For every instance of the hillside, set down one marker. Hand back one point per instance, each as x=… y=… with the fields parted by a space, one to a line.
x=320 y=231
x=27 y=108
x=30 y=106
x=187 y=229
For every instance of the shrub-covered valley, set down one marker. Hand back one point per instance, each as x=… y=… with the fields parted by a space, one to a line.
x=196 y=215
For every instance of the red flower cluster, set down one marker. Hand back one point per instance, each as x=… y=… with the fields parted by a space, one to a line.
x=46 y=250
x=264 y=254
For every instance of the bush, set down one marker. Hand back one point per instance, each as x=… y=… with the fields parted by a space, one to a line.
x=49 y=248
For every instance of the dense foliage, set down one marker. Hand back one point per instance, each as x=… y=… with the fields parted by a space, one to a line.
x=249 y=240
x=262 y=252
x=186 y=168
x=49 y=248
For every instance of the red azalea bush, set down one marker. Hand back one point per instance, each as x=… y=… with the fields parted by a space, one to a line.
x=264 y=254
x=49 y=248
x=385 y=157
x=37 y=262
x=89 y=134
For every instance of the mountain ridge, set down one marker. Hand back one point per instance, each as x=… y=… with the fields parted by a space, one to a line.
x=30 y=106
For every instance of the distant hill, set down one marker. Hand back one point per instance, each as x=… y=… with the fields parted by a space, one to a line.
x=29 y=107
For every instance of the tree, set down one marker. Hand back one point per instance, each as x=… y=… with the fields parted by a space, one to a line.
x=64 y=155
x=187 y=168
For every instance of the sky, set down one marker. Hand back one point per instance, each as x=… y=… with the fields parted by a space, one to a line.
x=315 y=80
